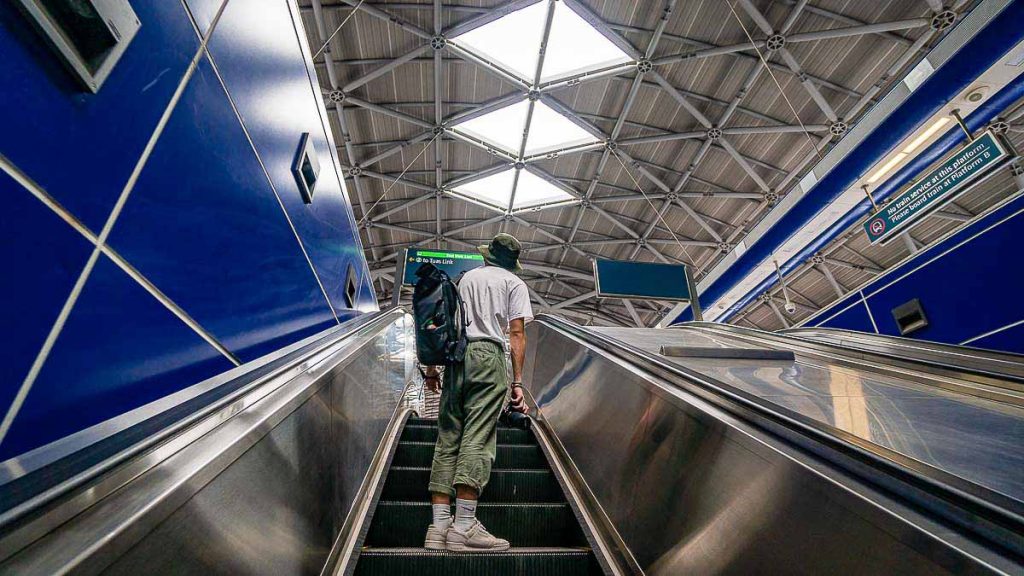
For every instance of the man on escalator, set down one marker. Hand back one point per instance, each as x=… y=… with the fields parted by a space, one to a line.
x=497 y=302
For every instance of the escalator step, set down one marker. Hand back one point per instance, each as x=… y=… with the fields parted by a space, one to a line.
x=410 y=484
x=429 y=434
x=433 y=422
x=518 y=562
x=421 y=455
x=403 y=524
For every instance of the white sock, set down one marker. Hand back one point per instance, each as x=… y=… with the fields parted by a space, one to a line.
x=442 y=516
x=465 y=514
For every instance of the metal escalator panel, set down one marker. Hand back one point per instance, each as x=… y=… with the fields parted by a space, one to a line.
x=523 y=503
x=260 y=482
x=916 y=416
x=697 y=476
x=974 y=361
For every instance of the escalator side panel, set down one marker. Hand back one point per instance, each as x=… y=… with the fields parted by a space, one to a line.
x=690 y=490
x=265 y=493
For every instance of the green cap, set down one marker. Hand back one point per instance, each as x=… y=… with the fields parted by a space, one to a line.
x=503 y=251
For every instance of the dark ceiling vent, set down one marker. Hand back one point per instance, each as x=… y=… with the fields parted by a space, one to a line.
x=910 y=317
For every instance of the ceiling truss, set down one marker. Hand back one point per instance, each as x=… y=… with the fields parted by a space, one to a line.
x=683 y=185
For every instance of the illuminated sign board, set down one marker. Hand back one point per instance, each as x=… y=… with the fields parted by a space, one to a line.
x=942 y=184
x=451 y=263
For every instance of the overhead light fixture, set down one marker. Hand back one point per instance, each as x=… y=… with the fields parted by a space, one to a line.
x=916 y=143
x=887 y=167
x=926 y=135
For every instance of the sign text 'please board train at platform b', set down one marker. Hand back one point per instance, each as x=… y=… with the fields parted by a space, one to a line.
x=450 y=262
x=954 y=176
x=642 y=280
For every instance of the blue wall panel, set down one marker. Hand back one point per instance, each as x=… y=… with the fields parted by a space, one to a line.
x=263 y=66
x=42 y=258
x=1009 y=340
x=203 y=11
x=202 y=223
x=82 y=147
x=854 y=318
x=119 y=349
x=965 y=284
x=204 y=226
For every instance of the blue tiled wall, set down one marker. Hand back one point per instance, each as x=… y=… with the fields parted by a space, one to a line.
x=213 y=259
x=969 y=285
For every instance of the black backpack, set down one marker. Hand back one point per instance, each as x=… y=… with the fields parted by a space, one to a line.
x=440 y=316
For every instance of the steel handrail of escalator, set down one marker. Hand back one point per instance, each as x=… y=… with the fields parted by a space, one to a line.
x=950 y=498
x=993 y=385
x=1004 y=365
x=38 y=515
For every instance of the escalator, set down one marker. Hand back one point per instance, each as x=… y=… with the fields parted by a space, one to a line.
x=523 y=503
x=316 y=462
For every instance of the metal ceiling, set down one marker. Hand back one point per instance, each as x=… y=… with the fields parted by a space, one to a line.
x=725 y=106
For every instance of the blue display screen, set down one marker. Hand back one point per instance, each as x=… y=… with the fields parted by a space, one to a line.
x=451 y=263
x=624 y=279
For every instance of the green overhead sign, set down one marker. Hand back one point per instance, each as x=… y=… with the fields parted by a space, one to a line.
x=942 y=184
x=451 y=262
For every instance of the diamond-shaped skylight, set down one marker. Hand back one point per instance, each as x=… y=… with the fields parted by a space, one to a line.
x=513 y=42
x=504 y=128
x=496 y=191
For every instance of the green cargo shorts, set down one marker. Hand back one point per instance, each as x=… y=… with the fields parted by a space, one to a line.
x=471 y=401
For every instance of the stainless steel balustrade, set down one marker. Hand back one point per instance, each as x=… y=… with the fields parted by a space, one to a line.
x=696 y=478
x=260 y=484
x=965 y=360
x=960 y=369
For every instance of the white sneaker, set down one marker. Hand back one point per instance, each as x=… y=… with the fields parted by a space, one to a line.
x=476 y=539
x=436 y=538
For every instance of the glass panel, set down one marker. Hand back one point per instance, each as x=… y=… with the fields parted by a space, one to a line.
x=549 y=130
x=502 y=128
x=575 y=46
x=533 y=190
x=512 y=41
x=495 y=189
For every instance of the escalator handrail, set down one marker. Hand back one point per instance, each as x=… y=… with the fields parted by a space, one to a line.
x=914 y=348
x=272 y=368
x=944 y=495
x=1007 y=387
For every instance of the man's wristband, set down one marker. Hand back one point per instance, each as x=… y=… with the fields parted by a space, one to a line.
x=516 y=385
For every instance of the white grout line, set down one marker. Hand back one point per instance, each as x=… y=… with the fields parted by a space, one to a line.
x=273 y=188
x=76 y=291
x=169 y=304
x=868 y=308
x=991 y=332
x=65 y=215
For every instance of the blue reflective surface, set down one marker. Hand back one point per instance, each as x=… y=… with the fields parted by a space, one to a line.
x=204 y=226
x=81 y=147
x=43 y=257
x=203 y=12
x=119 y=349
x=264 y=69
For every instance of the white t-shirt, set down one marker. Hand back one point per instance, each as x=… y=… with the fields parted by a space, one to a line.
x=494 y=297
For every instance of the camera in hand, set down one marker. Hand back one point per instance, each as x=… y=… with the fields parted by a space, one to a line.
x=510 y=417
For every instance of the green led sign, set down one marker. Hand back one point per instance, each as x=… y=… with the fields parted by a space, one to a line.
x=452 y=263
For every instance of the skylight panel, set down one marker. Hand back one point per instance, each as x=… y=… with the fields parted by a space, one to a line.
x=502 y=128
x=512 y=41
x=495 y=190
x=549 y=130
x=532 y=190
x=575 y=46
